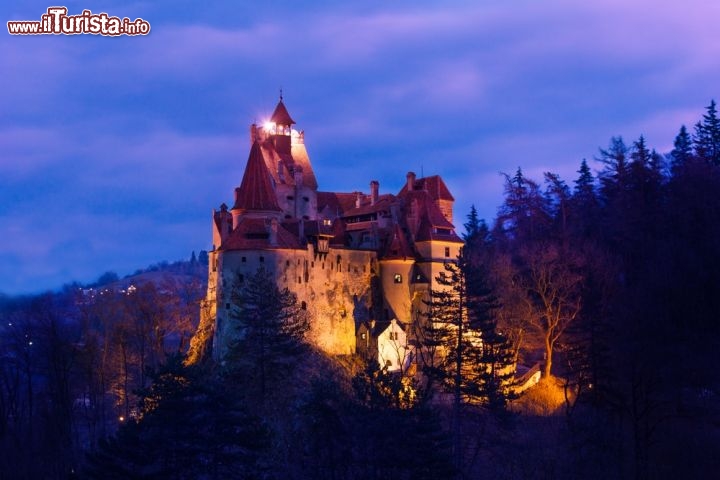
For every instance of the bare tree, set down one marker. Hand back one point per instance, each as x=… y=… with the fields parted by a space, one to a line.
x=552 y=281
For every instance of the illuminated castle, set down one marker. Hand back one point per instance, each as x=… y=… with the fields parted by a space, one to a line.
x=359 y=263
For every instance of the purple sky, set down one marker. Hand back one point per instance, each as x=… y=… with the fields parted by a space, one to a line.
x=113 y=151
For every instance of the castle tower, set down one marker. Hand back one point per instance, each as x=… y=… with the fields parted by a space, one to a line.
x=281 y=127
x=255 y=196
x=286 y=158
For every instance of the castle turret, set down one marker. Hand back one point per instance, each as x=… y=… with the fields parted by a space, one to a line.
x=283 y=123
x=255 y=195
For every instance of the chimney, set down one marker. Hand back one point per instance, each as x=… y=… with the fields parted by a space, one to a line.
x=358 y=196
x=374 y=188
x=253 y=133
x=273 y=232
x=410 y=181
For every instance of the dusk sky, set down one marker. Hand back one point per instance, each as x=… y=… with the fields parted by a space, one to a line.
x=113 y=151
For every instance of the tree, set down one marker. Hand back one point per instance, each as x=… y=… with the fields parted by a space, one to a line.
x=452 y=345
x=558 y=204
x=524 y=213
x=584 y=205
x=189 y=426
x=270 y=329
x=682 y=151
x=707 y=136
x=552 y=281
x=476 y=230
x=613 y=177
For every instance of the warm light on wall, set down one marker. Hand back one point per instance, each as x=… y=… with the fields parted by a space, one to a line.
x=269 y=126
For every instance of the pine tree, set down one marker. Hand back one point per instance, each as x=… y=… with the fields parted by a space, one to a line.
x=524 y=213
x=613 y=178
x=190 y=426
x=476 y=229
x=495 y=358
x=460 y=315
x=707 y=136
x=585 y=184
x=270 y=330
x=584 y=205
x=682 y=151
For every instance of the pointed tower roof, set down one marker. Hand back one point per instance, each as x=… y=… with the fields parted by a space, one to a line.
x=281 y=116
x=256 y=192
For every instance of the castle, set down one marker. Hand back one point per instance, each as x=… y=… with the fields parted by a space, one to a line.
x=360 y=263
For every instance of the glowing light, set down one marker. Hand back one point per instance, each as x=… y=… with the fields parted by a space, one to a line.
x=121 y=418
x=269 y=126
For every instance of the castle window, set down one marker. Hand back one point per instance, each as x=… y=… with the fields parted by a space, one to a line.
x=312 y=264
x=288 y=216
x=306 y=199
x=215 y=261
x=290 y=197
x=303 y=305
x=241 y=278
x=262 y=259
x=397 y=278
x=393 y=336
x=227 y=306
x=243 y=259
x=287 y=263
x=299 y=279
x=362 y=335
x=447 y=251
x=298 y=261
x=305 y=217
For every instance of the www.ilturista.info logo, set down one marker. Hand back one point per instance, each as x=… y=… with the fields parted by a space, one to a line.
x=56 y=21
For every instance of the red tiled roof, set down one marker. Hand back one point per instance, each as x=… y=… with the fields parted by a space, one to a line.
x=336 y=202
x=398 y=246
x=383 y=203
x=427 y=232
x=428 y=208
x=256 y=191
x=281 y=116
x=254 y=234
x=434 y=185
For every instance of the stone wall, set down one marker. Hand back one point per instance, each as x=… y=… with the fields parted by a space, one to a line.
x=334 y=288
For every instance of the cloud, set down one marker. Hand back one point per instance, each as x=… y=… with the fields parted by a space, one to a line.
x=113 y=151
